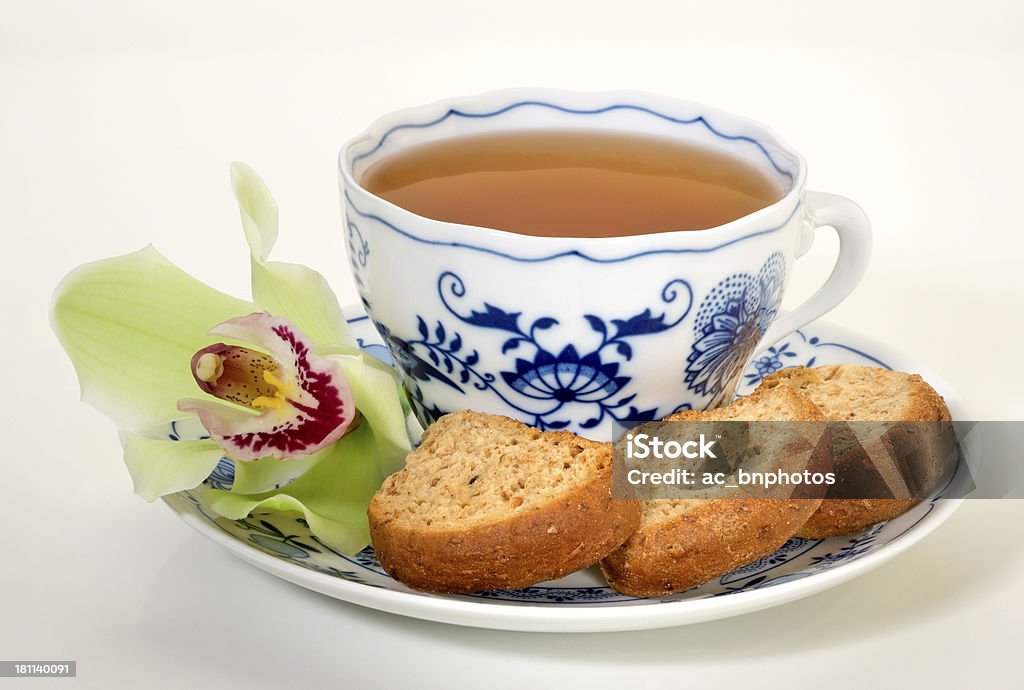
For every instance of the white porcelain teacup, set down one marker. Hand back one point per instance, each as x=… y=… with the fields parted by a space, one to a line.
x=582 y=334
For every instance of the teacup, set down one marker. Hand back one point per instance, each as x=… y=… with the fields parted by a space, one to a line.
x=594 y=333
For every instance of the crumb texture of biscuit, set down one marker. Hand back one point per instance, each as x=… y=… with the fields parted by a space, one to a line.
x=859 y=394
x=486 y=502
x=682 y=543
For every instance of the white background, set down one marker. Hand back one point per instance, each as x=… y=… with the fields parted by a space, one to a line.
x=117 y=125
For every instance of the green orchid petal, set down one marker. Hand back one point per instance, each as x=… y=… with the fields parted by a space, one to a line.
x=267 y=473
x=258 y=210
x=332 y=495
x=304 y=296
x=284 y=289
x=355 y=351
x=130 y=325
x=370 y=361
x=160 y=466
x=379 y=401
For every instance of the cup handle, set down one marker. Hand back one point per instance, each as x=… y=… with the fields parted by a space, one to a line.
x=854 y=232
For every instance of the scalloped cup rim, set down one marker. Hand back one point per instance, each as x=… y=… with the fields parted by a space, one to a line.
x=494 y=238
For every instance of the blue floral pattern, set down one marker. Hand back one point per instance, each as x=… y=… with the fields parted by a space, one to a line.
x=770 y=362
x=729 y=323
x=791 y=549
x=539 y=379
x=554 y=595
x=358 y=252
x=223 y=475
x=270 y=537
x=854 y=548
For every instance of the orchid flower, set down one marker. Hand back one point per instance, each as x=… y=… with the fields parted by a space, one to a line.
x=289 y=397
x=304 y=400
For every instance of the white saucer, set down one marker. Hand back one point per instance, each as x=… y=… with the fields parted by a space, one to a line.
x=283 y=546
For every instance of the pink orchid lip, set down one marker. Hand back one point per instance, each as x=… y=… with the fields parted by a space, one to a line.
x=288 y=402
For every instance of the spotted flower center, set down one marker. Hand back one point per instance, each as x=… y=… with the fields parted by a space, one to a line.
x=239 y=375
x=302 y=402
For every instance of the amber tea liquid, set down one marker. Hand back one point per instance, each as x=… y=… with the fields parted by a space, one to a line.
x=572 y=183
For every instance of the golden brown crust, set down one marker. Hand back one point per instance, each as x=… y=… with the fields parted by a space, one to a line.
x=917 y=401
x=709 y=538
x=840 y=516
x=789 y=404
x=573 y=530
x=528 y=548
x=703 y=544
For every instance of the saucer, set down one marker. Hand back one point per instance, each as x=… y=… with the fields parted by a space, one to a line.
x=581 y=602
